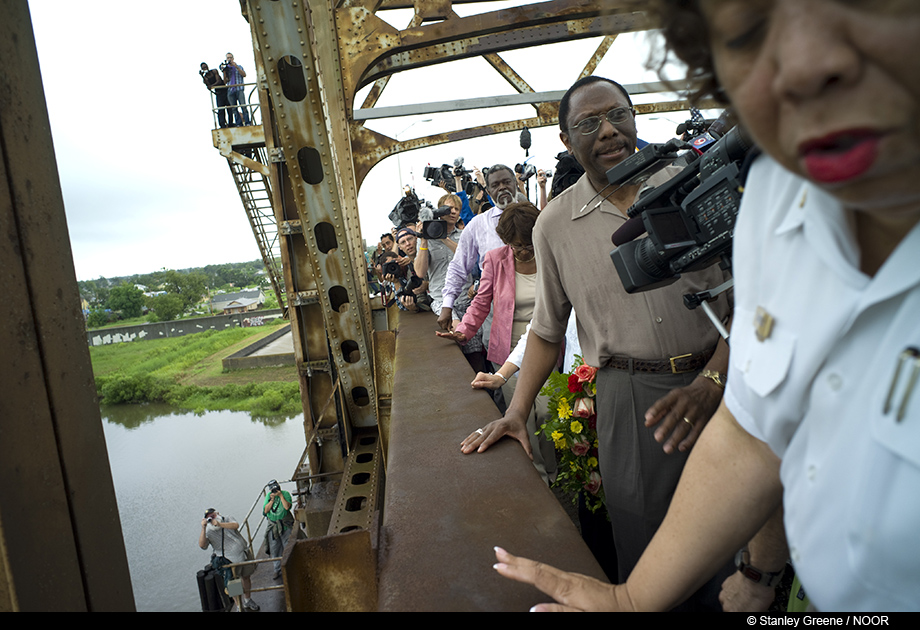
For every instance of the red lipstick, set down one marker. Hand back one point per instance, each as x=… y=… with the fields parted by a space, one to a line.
x=840 y=156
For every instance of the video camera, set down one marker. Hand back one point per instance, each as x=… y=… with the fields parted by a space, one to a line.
x=406 y=211
x=446 y=174
x=433 y=226
x=690 y=219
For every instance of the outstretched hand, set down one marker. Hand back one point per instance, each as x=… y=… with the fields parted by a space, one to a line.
x=682 y=413
x=573 y=592
x=459 y=337
x=512 y=426
x=444 y=318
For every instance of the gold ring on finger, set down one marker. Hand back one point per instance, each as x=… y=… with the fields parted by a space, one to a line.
x=688 y=422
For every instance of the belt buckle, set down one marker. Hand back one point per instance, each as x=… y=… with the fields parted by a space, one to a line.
x=674 y=369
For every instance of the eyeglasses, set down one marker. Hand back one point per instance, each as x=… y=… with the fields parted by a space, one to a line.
x=616 y=116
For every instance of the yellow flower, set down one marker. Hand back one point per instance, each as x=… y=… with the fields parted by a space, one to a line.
x=564 y=411
x=558 y=439
x=592 y=462
x=576 y=426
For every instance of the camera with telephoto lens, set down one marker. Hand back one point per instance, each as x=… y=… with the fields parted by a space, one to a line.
x=422 y=301
x=690 y=219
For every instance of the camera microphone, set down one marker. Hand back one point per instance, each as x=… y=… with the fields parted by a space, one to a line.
x=633 y=228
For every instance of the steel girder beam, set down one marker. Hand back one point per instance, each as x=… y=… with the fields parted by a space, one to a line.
x=329 y=297
x=371 y=48
x=61 y=545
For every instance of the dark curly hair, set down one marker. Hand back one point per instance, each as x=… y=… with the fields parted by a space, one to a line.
x=516 y=223
x=686 y=34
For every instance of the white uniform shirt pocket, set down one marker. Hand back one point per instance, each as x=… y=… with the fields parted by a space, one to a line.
x=764 y=364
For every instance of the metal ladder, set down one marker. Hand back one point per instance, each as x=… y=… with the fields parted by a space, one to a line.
x=255 y=193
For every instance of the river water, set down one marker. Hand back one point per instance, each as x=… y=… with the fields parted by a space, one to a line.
x=168 y=467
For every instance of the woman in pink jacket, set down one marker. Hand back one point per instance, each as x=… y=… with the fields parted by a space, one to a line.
x=508 y=288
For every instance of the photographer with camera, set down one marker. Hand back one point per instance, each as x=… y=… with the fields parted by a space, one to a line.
x=233 y=77
x=214 y=83
x=659 y=364
x=411 y=289
x=435 y=254
x=277 y=509
x=432 y=261
x=222 y=534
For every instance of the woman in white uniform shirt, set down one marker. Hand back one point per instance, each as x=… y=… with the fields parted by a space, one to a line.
x=819 y=415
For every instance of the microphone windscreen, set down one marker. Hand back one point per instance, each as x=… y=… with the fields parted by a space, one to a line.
x=629 y=231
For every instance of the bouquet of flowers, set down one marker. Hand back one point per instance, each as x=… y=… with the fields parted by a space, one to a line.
x=573 y=429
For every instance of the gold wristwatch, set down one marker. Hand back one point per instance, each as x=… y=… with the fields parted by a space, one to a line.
x=716 y=377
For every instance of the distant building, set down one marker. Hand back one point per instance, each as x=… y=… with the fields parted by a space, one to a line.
x=240 y=302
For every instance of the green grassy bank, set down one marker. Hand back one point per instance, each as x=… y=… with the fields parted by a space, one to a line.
x=186 y=372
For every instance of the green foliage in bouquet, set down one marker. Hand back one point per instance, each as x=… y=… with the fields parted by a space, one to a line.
x=573 y=429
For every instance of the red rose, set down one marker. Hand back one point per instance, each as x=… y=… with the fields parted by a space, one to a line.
x=594 y=483
x=581 y=447
x=574 y=384
x=585 y=373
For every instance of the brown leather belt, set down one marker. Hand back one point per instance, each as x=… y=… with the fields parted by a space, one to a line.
x=672 y=365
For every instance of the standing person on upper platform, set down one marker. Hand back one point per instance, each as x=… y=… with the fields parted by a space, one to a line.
x=658 y=361
x=212 y=79
x=233 y=77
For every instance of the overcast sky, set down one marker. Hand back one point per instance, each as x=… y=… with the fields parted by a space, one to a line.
x=145 y=189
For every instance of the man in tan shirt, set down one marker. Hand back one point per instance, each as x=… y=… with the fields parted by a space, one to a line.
x=650 y=349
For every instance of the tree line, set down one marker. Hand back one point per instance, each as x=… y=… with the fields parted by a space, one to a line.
x=175 y=292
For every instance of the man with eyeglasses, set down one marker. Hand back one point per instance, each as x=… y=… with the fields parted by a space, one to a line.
x=660 y=364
